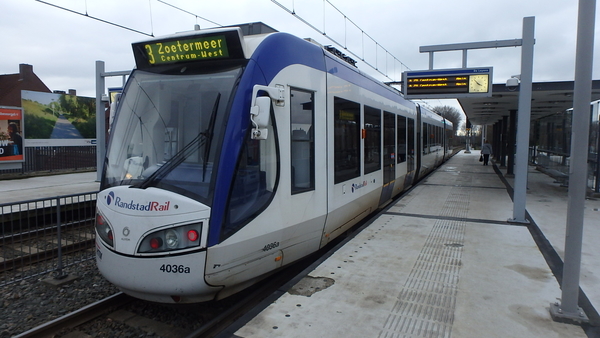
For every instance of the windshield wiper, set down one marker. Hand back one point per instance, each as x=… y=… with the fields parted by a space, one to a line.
x=173 y=162
x=209 y=134
x=202 y=139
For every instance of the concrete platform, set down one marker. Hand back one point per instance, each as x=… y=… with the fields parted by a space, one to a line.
x=441 y=262
x=547 y=205
x=47 y=187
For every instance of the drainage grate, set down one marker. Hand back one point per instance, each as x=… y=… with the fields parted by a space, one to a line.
x=425 y=305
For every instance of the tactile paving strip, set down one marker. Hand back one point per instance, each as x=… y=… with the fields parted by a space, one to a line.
x=426 y=303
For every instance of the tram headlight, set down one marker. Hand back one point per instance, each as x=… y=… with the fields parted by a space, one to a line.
x=171 y=239
x=177 y=238
x=104 y=229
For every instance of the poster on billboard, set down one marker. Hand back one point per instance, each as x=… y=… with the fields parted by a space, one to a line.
x=11 y=135
x=58 y=119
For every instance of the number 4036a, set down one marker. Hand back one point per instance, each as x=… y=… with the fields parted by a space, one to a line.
x=174 y=268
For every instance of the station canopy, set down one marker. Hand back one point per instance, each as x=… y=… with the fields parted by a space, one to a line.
x=547 y=98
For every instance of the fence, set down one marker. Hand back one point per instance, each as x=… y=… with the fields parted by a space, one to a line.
x=45 y=235
x=56 y=158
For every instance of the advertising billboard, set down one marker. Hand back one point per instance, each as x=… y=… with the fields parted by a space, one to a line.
x=58 y=119
x=11 y=134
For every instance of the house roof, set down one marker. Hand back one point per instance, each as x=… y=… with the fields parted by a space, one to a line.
x=12 y=84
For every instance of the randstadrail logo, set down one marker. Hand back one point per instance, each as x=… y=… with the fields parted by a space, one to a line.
x=132 y=205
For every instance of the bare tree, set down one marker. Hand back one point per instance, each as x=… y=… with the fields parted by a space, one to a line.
x=451 y=114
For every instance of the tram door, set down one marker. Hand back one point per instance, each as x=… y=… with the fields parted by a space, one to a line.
x=307 y=207
x=389 y=156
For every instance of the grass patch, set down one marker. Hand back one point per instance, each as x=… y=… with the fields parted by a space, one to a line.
x=39 y=122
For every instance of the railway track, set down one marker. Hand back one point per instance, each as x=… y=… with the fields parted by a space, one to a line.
x=35 y=246
x=78 y=317
x=40 y=231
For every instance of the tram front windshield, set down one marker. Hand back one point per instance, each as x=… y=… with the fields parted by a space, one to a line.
x=167 y=132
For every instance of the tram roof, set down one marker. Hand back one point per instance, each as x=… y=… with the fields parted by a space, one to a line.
x=547 y=98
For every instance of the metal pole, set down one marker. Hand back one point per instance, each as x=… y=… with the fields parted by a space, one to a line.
x=430 y=60
x=596 y=119
x=100 y=123
x=504 y=137
x=483 y=136
x=59 y=274
x=520 y=188
x=569 y=310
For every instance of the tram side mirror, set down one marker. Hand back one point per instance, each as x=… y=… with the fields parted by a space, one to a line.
x=259 y=114
x=260 y=108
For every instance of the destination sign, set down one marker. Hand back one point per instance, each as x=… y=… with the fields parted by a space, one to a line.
x=197 y=47
x=186 y=50
x=455 y=83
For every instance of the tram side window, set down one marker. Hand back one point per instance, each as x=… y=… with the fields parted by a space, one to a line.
x=254 y=182
x=410 y=144
x=372 y=139
x=442 y=138
x=439 y=138
x=346 y=139
x=435 y=138
x=425 y=137
x=389 y=138
x=302 y=139
x=448 y=138
x=401 y=157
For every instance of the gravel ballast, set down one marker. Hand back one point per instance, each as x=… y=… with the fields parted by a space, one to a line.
x=32 y=302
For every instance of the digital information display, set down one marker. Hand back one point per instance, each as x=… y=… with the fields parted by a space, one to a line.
x=190 y=48
x=186 y=50
x=448 y=84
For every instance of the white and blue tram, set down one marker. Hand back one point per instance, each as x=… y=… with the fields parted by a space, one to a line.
x=233 y=155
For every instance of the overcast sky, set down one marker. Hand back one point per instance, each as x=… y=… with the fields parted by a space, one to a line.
x=63 y=46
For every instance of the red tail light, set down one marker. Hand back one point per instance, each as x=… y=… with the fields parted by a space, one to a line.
x=192 y=235
x=104 y=229
x=155 y=243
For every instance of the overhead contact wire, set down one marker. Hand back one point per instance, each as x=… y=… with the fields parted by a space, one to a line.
x=93 y=17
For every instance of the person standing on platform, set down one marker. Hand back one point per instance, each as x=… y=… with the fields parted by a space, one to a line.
x=486 y=151
x=13 y=133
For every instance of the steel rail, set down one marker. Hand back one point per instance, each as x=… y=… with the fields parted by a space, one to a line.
x=46 y=255
x=78 y=317
x=48 y=230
